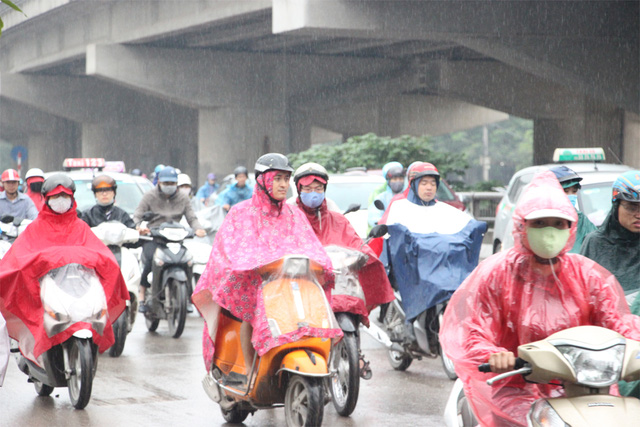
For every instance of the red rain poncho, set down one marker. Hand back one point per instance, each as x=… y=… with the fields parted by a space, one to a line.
x=254 y=233
x=49 y=242
x=510 y=300
x=333 y=228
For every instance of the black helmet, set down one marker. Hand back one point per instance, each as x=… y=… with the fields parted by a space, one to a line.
x=272 y=161
x=566 y=176
x=103 y=181
x=58 y=183
x=240 y=170
x=309 y=169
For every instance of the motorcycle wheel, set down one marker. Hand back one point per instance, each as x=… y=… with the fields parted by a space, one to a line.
x=178 y=314
x=234 y=415
x=304 y=401
x=120 y=329
x=42 y=389
x=447 y=364
x=152 y=324
x=345 y=383
x=81 y=378
x=398 y=360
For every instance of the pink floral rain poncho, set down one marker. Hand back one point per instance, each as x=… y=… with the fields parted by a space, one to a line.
x=510 y=299
x=254 y=233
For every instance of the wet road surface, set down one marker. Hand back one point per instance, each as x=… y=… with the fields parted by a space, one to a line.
x=157 y=382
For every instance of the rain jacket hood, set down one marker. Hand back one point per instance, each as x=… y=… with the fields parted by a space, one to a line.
x=544 y=192
x=510 y=299
x=333 y=228
x=51 y=241
x=254 y=233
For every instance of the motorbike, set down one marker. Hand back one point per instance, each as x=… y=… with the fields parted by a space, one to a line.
x=171 y=278
x=10 y=228
x=348 y=364
x=115 y=235
x=289 y=375
x=70 y=294
x=585 y=361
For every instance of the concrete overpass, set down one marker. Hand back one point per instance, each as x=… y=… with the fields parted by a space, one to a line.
x=208 y=84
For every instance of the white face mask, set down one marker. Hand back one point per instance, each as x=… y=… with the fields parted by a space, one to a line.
x=185 y=191
x=169 y=190
x=60 y=204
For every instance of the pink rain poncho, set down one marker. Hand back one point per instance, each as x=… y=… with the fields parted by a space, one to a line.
x=510 y=299
x=254 y=233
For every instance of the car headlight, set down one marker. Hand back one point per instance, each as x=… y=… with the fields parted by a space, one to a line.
x=595 y=368
x=543 y=413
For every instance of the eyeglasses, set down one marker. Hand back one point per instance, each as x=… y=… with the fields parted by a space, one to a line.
x=631 y=207
x=308 y=189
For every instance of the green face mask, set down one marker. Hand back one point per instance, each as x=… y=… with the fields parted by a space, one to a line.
x=547 y=242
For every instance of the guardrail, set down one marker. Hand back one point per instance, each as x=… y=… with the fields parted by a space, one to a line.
x=482 y=205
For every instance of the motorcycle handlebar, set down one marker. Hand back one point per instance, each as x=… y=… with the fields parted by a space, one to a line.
x=485 y=367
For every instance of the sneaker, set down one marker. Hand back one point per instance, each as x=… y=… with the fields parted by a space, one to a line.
x=189 y=308
x=142 y=308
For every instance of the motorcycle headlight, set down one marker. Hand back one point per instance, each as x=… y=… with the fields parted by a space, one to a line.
x=296 y=267
x=174 y=234
x=543 y=413
x=595 y=368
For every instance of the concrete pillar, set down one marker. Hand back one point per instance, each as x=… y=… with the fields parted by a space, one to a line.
x=229 y=137
x=631 y=135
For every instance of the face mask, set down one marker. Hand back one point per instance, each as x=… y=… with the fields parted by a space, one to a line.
x=185 y=191
x=547 y=242
x=573 y=198
x=104 y=203
x=396 y=187
x=36 y=187
x=312 y=200
x=169 y=190
x=60 y=205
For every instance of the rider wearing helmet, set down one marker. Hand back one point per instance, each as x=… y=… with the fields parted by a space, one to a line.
x=570 y=182
x=57 y=237
x=333 y=228
x=238 y=191
x=207 y=189
x=524 y=294
x=254 y=233
x=393 y=173
x=167 y=204
x=34 y=179
x=12 y=201
x=104 y=189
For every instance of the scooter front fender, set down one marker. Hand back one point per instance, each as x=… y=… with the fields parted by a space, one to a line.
x=304 y=362
x=176 y=273
x=347 y=322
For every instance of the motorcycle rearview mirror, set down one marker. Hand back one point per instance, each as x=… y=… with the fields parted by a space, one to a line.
x=17 y=221
x=378 y=231
x=352 y=208
x=378 y=204
x=6 y=219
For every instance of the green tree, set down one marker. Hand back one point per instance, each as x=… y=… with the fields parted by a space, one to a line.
x=373 y=151
x=11 y=5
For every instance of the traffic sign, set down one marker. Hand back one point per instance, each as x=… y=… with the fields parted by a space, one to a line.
x=19 y=151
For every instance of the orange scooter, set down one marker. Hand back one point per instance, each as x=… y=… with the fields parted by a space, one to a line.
x=290 y=374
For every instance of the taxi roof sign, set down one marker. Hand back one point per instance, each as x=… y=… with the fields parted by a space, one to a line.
x=85 y=162
x=595 y=154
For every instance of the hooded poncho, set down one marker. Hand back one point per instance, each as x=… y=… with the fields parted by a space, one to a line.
x=333 y=228
x=49 y=242
x=510 y=299
x=254 y=233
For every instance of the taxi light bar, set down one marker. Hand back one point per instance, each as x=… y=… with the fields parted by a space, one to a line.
x=595 y=154
x=86 y=162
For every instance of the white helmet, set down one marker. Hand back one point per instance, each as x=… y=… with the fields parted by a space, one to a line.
x=183 y=179
x=33 y=172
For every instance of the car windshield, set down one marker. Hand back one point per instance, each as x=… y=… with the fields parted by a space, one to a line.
x=444 y=194
x=348 y=193
x=595 y=201
x=128 y=195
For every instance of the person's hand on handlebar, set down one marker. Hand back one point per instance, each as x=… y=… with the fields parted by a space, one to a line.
x=200 y=232
x=143 y=230
x=502 y=362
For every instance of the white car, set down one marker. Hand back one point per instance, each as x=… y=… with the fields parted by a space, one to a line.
x=594 y=199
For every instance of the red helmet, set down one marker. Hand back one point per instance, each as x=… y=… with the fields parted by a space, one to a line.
x=425 y=169
x=10 y=175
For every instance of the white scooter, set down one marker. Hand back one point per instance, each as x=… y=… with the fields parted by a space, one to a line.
x=115 y=234
x=585 y=361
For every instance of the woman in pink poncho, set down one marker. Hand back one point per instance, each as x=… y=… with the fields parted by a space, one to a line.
x=525 y=294
x=254 y=233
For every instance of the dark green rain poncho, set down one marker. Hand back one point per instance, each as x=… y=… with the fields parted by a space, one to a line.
x=618 y=250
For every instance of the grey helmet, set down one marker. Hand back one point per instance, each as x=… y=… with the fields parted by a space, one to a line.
x=272 y=161
x=58 y=179
x=310 y=168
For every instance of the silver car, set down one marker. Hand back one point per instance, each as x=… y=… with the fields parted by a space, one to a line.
x=594 y=200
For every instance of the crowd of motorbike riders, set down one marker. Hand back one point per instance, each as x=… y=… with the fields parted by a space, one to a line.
x=561 y=272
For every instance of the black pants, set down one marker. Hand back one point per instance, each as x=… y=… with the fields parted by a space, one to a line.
x=148 y=249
